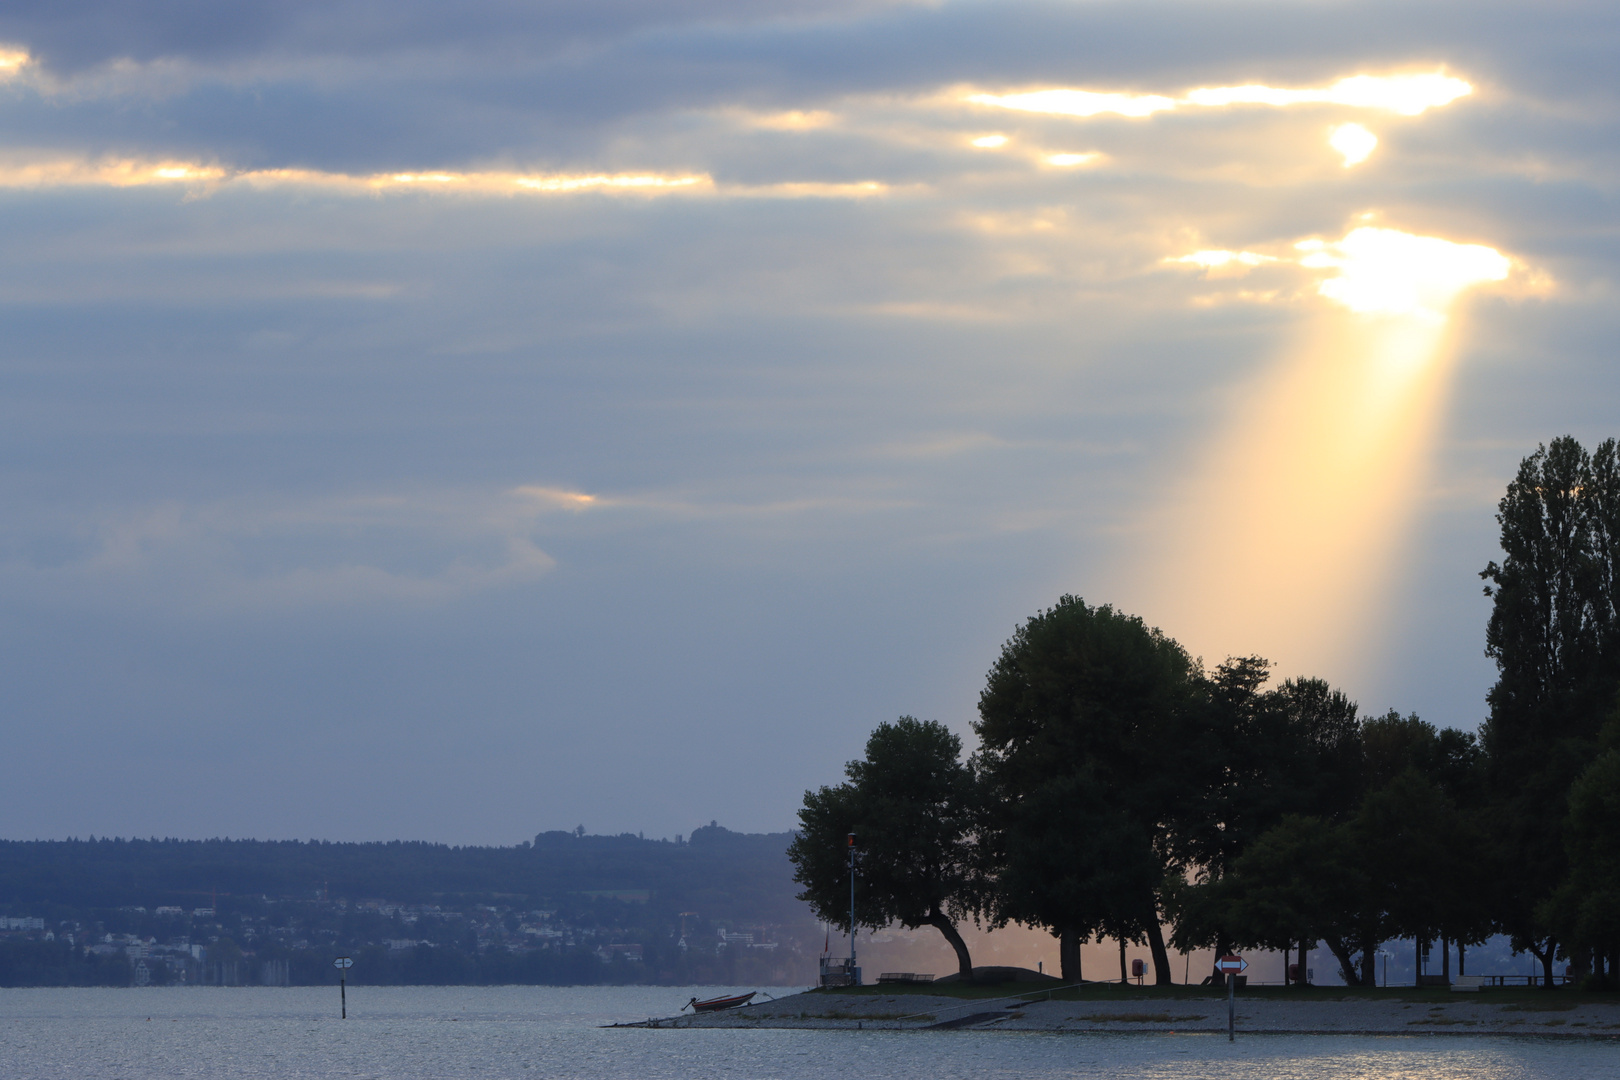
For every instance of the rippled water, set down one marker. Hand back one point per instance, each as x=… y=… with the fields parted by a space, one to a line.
x=443 y=1033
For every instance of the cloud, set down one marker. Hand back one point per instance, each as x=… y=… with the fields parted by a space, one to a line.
x=1378 y=271
x=204 y=179
x=1389 y=272
x=593 y=357
x=1355 y=142
x=1070 y=160
x=1407 y=95
x=18 y=171
x=72 y=35
x=238 y=556
x=1218 y=264
x=1081 y=103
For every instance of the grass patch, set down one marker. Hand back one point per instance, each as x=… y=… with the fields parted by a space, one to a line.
x=1540 y=1006
x=1528 y=999
x=1138 y=1018
x=1446 y=1021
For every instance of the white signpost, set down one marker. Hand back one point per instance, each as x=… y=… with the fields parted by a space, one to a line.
x=343 y=964
x=1231 y=965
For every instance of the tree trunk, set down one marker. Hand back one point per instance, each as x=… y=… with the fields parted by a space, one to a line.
x=1069 y=954
x=1287 y=945
x=1347 y=967
x=1305 y=947
x=1445 y=959
x=1124 y=977
x=1546 y=958
x=1462 y=959
x=1217 y=978
x=1161 y=956
x=1369 y=959
x=945 y=925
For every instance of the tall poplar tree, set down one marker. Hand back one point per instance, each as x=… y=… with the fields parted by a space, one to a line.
x=1555 y=636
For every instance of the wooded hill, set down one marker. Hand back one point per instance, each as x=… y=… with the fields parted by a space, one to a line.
x=723 y=874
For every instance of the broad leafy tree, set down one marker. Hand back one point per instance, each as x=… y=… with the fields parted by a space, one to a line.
x=912 y=803
x=1585 y=911
x=1423 y=859
x=1083 y=732
x=1067 y=857
x=1305 y=877
x=1259 y=756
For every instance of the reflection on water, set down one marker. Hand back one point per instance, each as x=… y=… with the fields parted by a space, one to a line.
x=404 y=1033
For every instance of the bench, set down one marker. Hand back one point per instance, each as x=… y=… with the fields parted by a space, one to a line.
x=904 y=977
x=1473 y=983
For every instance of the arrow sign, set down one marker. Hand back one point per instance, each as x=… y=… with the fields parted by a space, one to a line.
x=343 y=962
x=1231 y=965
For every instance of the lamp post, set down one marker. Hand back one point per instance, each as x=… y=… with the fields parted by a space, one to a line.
x=852 y=846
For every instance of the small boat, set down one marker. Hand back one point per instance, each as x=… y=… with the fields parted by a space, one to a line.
x=716 y=1004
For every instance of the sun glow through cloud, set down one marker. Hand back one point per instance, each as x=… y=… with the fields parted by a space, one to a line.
x=1069 y=161
x=1215 y=260
x=1353 y=141
x=1389 y=272
x=557 y=497
x=1078 y=102
x=1378 y=272
x=1285 y=537
x=1408 y=95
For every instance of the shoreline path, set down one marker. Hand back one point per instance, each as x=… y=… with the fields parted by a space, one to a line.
x=1558 y=1015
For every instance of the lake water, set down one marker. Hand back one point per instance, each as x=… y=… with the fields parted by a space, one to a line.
x=491 y=1033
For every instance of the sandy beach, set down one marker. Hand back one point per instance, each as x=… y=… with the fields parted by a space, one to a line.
x=1324 y=1011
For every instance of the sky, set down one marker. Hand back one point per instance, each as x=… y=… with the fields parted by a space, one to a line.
x=453 y=422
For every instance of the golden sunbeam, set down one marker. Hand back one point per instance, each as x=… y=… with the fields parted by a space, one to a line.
x=1288 y=532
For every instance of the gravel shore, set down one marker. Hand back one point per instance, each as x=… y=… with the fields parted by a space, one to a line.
x=1473 y=1014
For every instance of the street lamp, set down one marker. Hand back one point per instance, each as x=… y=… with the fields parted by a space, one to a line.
x=852 y=846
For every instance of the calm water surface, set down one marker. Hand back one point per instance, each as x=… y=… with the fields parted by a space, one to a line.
x=443 y=1033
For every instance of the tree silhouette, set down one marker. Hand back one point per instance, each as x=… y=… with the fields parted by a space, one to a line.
x=912 y=803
